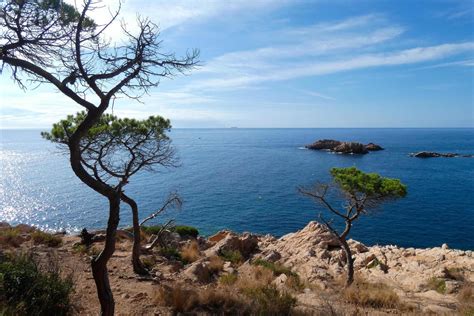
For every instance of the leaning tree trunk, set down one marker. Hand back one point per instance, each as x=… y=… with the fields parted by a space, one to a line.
x=98 y=264
x=349 y=261
x=138 y=267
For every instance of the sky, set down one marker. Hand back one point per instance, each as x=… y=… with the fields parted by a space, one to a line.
x=294 y=63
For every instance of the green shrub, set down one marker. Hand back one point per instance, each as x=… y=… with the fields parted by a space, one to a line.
x=148 y=262
x=10 y=236
x=151 y=230
x=228 y=279
x=182 y=230
x=25 y=290
x=375 y=295
x=79 y=248
x=276 y=268
x=170 y=253
x=437 y=284
x=267 y=300
x=50 y=240
x=233 y=256
x=186 y=231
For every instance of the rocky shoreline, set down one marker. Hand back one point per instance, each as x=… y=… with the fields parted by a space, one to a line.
x=424 y=281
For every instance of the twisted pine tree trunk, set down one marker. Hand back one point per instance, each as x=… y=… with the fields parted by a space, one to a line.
x=98 y=264
x=348 y=253
x=138 y=267
x=349 y=262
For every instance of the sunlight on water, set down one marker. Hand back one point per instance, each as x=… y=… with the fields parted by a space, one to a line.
x=21 y=199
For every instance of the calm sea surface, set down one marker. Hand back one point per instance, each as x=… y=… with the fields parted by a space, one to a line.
x=246 y=179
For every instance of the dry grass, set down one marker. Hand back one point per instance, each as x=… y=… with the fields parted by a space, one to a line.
x=216 y=264
x=228 y=279
x=437 y=284
x=455 y=274
x=50 y=240
x=190 y=252
x=211 y=300
x=10 y=237
x=375 y=295
x=255 y=277
x=265 y=300
x=466 y=299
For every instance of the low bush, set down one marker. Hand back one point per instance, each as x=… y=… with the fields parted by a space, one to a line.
x=234 y=256
x=268 y=300
x=151 y=230
x=170 y=253
x=228 y=279
x=216 y=264
x=208 y=301
x=186 y=231
x=455 y=274
x=277 y=269
x=148 y=262
x=79 y=248
x=224 y=301
x=40 y=237
x=10 y=237
x=376 y=295
x=182 y=230
x=25 y=290
x=466 y=299
x=437 y=284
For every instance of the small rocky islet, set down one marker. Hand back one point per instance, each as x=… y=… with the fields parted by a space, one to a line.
x=432 y=154
x=344 y=147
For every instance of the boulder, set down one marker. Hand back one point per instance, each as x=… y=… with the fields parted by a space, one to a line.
x=350 y=148
x=373 y=147
x=219 y=236
x=357 y=247
x=246 y=244
x=198 y=272
x=280 y=281
x=327 y=144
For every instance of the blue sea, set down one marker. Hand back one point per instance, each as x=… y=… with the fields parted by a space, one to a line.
x=246 y=180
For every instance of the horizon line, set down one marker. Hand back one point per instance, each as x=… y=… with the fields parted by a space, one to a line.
x=379 y=127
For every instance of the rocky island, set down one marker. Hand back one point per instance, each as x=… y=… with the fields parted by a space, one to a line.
x=229 y=273
x=343 y=147
x=432 y=154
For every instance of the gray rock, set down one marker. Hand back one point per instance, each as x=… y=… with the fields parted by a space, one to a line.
x=198 y=272
x=350 y=148
x=373 y=147
x=324 y=144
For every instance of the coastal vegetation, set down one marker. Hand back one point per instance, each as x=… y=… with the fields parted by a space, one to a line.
x=362 y=193
x=114 y=150
x=297 y=274
x=55 y=44
x=26 y=289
